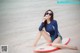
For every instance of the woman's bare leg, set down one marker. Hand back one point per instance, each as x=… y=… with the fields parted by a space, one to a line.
x=57 y=43
x=38 y=36
x=46 y=36
x=57 y=40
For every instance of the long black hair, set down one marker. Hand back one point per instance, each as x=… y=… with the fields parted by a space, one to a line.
x=51 y=18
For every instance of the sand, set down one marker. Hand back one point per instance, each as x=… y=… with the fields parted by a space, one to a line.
x=20 y=19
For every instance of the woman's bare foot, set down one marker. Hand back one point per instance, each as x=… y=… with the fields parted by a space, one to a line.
x=74 y=48
x=63 y=46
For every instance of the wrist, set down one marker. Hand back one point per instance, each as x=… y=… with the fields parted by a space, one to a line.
x=43 y=20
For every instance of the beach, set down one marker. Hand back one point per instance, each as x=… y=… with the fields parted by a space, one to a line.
x=20 y=20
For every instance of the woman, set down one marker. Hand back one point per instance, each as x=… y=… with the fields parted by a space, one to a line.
x=49 y=30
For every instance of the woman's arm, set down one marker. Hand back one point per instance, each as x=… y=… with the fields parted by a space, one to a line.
x=56 y=29
x=42 y=24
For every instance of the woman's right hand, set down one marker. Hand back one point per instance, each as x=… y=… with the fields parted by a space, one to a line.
x=44 y=19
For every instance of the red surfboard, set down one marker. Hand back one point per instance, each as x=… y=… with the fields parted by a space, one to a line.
x=47 y=48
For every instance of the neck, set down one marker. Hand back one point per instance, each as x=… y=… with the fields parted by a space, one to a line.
x=48 y=21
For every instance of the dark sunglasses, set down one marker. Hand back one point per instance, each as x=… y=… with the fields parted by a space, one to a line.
x=48 y=13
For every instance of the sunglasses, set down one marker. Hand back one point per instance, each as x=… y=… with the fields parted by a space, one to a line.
x=48 y=13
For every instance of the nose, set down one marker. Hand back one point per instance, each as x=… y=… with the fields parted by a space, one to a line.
x=47 y=15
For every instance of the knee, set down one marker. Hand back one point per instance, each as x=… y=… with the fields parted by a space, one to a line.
x=43 y=31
